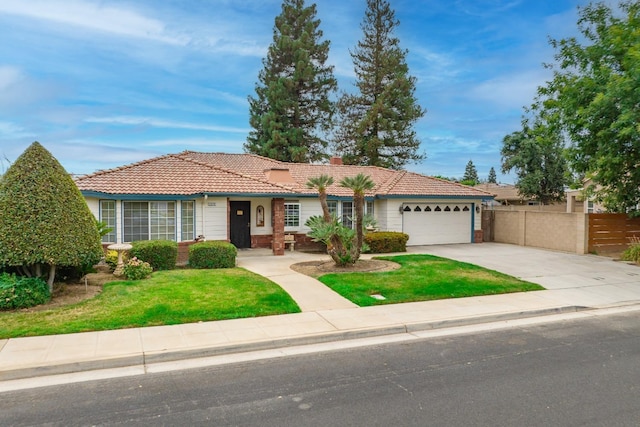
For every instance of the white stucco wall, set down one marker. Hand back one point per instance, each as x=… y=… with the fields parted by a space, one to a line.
x=211 y=214
x=211 y=218
x=390 y=219
x=94 y=206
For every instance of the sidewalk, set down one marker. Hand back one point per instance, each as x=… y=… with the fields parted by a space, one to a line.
x=573 y=283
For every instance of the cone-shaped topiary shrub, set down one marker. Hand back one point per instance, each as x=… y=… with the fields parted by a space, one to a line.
x=44 y=220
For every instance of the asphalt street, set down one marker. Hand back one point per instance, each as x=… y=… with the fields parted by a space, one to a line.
x=570 y=373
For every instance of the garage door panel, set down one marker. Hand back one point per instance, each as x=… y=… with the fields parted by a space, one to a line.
x=429 y=224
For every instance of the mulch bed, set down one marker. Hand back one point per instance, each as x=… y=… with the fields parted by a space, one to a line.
x=318 y=268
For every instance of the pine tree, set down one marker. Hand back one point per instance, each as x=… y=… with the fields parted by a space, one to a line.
x=492 y=179
x=470 y=174
x=292 y=110
x=376 y=123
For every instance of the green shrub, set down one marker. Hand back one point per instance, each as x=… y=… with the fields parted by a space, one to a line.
x=44 y=219
x=161 y=254
x=214 y=254
x=136 y=269
x=382 y=242
x=111 y=258
x=632 y=253
x=22 y=292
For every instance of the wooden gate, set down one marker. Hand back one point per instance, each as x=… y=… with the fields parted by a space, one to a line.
x=488 y=225
x=609 y=232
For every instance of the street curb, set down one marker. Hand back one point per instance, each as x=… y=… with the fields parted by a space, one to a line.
x=144 y=359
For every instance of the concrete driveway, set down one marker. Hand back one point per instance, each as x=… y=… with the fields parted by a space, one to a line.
x=587 y=280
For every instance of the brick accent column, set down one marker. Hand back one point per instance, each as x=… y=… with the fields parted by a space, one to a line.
x=478 y=236
x=277 y=212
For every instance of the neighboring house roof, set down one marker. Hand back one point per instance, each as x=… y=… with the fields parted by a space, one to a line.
x=190 y=172
x=502 y=192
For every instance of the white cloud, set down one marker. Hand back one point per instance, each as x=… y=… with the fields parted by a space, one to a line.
x=205 y=144
x=10 y=130
x=511 y=91
x=94 y=16
x=8 y=77
x=160 y=123
x=485 y=8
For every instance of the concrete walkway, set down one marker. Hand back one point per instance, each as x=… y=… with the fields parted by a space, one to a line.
x=573 y=283
x=310 y=294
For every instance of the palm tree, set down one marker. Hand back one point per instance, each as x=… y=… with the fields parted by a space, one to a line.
x=359 y=184
x=327 y=229
x=321 y=183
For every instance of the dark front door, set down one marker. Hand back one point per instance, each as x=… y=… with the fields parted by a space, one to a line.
x=240 y=224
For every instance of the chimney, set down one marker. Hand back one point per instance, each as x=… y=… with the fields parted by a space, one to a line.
x=335 y=160
x=279 y=175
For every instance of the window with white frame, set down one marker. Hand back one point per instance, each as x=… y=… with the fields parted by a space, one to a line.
x=291 y=214
x=187 y=224
x=149 y=221
x=108 y=217
x=333 y=207
x=347 y=214
x=368 y=207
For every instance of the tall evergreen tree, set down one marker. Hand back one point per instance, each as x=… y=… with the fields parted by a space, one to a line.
x=376 y=123
x=291 y=110
x=492 y=179
x=470 y=174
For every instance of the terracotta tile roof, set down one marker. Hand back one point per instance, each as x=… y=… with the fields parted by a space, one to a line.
x=173 y=174
x=502 y=192
x=191 y=172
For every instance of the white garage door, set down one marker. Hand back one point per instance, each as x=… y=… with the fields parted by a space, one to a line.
x=431 y=224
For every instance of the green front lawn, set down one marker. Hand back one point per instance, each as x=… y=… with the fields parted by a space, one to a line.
x=423 y=278
x=167 y=297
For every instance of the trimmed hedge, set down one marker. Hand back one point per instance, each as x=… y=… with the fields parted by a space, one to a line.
x=160 y=254
x=382 y=242
x=22 y=292
x=214 y=254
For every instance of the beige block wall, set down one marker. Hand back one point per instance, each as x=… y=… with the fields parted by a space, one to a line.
x=548 y=230
x=507 y=227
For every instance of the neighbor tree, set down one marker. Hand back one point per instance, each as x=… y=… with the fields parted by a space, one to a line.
x=492 y=178
x=291 y=111
x=44 y=220
x=376 y=123
x=594 y=94
x=470 y=174
x=536 y=153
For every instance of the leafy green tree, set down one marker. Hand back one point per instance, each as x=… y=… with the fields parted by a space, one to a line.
x=470 y=174
x=44 y=220
x=292 y=107
x=376 y=123
x=492 y=179
x=594 y=96
x=536 y=153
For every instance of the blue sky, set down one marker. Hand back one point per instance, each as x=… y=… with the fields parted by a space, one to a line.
x=106 y=83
